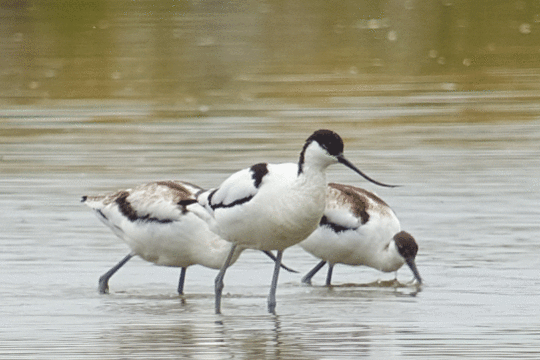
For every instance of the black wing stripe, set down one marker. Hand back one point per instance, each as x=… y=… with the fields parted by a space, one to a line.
x=234 y=203
x=335 y=227
x=128 y=211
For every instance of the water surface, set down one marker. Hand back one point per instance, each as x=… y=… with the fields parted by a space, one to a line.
x=470 y=197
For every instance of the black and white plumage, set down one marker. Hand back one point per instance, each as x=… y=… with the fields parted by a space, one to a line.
x=272 y=207
x=358 y=228
x=153 y=220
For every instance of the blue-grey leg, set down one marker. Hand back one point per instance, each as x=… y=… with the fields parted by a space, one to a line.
x=219 y=279
x=103 y=286
x=329 y=274
x=273 y=286
x=181 y=281
x=307 y=279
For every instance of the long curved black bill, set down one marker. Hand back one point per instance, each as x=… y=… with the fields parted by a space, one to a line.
x=414 y=270
x=347 y=163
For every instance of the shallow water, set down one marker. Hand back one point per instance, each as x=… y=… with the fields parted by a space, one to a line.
x=470 y=197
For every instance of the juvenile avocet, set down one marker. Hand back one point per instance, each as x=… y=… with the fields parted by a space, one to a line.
x=271 y=207
x=358 y=228
x=157 y=228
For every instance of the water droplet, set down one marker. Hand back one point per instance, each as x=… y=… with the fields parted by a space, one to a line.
x=377 y=62
x=433 y=53
x=373 y=24
x=50 y=73
x=353 y=70
x=392 y=35
x=206 y=41
x=441 y=60
x=33 y=85
x=467 y=62
x=525 y=28
x=116 y=75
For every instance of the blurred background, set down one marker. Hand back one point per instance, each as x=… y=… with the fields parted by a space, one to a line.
x=207 y=55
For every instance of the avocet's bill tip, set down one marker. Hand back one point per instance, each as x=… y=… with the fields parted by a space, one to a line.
x=342 y=160
x=412 y=266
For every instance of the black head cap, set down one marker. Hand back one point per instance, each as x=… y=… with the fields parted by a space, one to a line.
x=406 y=245
x=328 y=140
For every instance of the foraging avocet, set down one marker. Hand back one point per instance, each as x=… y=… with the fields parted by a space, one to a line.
x=271 y=207
x=157 y=228
x=358 y=228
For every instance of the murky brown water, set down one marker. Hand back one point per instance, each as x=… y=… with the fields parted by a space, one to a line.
x=470 y=197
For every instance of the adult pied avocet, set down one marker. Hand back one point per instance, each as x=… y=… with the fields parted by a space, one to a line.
x=150 y=219
x=271 y=207
x=358 y=228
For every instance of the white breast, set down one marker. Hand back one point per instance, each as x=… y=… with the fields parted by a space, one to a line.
x=285 y=210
